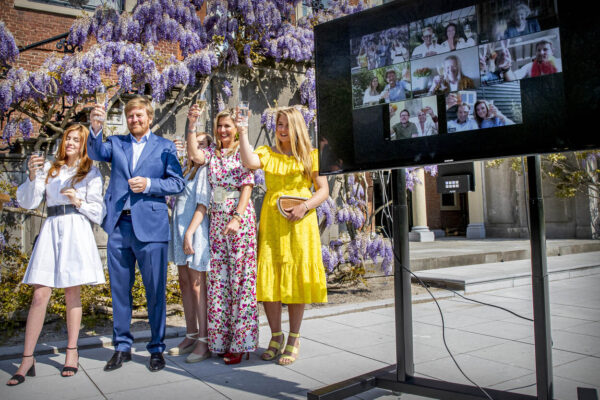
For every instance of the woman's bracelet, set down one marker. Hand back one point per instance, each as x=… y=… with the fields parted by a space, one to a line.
x=307 y=209
x=237 y=216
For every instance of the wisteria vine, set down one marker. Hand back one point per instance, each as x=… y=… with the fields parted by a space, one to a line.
x=125 y=47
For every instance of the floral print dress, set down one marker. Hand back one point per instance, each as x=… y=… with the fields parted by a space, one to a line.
x=231 y=281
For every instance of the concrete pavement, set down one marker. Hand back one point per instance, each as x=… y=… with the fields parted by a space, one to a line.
x=493 y=347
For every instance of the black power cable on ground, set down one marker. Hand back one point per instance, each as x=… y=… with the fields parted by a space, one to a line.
x=443 y=328
x=489 y=305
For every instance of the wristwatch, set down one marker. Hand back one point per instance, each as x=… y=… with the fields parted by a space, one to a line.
x=237 y=215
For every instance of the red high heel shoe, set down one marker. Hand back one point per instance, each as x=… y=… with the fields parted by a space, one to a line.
x=231 y=358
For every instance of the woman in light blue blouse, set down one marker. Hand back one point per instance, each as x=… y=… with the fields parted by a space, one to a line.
x=488 y=116
x=189 y=249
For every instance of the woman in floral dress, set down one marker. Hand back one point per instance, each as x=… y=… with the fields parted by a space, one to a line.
x=231 y=283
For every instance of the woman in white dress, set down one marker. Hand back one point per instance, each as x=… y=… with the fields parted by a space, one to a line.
x=190 y=251
x=65 y=254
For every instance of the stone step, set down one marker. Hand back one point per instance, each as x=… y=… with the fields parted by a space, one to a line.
x=494 y=253
x=500 y=275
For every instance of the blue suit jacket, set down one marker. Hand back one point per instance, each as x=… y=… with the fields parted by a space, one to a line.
x=158 y=162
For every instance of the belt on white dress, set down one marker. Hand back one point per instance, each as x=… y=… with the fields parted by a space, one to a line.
x=61 y=210
x=220 y=194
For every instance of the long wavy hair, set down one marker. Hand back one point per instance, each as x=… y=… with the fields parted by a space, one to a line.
x=85 y=163
x=487 y=110
x=191 y=167
x=299 y=139
x=230 y=113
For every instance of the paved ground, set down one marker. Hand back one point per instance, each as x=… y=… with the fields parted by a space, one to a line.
x=494 y=348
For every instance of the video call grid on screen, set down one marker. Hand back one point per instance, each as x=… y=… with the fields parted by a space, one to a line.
x=508 y=107
x=442 y=55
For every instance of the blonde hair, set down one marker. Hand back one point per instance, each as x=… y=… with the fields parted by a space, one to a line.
x=299 y=139
x=191 y=167
x=85 y=163
x=231 y=115
x=140 y=102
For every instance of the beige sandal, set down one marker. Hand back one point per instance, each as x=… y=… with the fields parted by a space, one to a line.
x=193 y=357
x=287 y=359
x=269 y=354
x=179 y=351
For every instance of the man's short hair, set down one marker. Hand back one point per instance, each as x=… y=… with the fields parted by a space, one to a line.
x=140 y=102
x=406 y=111
x=543 y=42
x=465 y=105
x=428 y=30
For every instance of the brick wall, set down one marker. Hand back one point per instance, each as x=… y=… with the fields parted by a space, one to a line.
x=30 y=26
x=433 y=202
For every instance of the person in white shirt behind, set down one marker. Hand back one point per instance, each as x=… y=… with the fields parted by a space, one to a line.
x=453 y=41
x=463 y=122
x=427 y=48
x=372 y=96
x=427 y=124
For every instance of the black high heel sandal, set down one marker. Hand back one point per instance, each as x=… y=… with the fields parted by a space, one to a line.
x=70 y=369
x=20 y=378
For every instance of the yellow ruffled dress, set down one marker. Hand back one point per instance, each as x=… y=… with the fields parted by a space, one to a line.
x=290 y=263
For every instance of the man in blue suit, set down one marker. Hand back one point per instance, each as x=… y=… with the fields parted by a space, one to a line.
x=144 y=169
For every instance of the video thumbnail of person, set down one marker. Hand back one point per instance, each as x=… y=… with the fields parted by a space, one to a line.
x=505 y=19
x=413 y=118
x=521 y=57
x=381 y=85
x=487 y=107
x=446 y=72
x=380 y=49
x=443 y=33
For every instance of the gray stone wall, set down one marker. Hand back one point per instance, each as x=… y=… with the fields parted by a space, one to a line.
x=506 y=208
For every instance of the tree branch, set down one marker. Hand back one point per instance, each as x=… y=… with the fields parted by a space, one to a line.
x=256 y=78
x=168 y=114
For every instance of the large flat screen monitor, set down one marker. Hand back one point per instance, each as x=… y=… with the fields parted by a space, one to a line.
x=418 y=82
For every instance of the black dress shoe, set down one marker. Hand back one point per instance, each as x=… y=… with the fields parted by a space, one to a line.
x=157 y=362
x=117 y=360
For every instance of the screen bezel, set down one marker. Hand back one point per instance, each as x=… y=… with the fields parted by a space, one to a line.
x=356 y=138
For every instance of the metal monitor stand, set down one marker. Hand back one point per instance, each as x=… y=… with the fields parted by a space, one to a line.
x=400 y=377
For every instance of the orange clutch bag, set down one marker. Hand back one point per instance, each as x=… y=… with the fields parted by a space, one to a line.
x=286 y=202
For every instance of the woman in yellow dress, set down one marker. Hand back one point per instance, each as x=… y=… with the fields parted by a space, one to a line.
x=290 y=264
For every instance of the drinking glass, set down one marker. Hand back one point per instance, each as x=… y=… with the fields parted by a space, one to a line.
x=100 y=99
x=180 y=146
x=467 y=30
x=39 y=153
x=201 y=103
x=243 y=109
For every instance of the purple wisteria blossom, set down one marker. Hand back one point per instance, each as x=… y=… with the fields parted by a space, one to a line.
x=259 y=177
x=10 y=129
x=226 y=88
x=6 y=96
x=431 y=169
x=8 y=48
x=388 y=258
x=26 y=127
x=308 y=95
x=327 y=210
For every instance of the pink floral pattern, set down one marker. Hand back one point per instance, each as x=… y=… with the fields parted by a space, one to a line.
x=231 y=283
